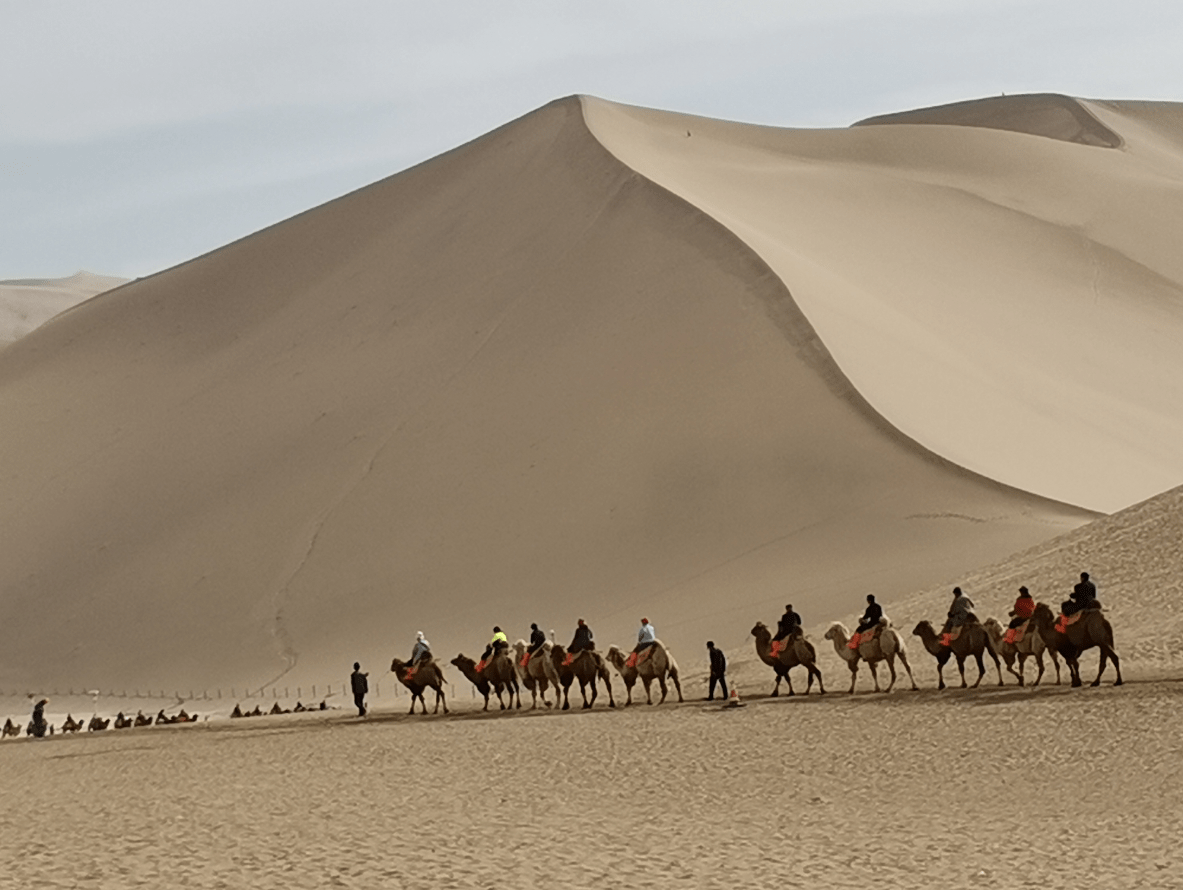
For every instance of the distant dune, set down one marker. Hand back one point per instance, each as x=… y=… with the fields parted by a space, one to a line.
x=30 y=302
x=601 y=362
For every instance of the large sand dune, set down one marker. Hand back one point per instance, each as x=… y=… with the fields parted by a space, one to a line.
x=27 y=303
x=537 y=378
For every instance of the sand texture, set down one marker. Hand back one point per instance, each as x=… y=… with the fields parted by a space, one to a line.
x=589 y=365
x=26 y=304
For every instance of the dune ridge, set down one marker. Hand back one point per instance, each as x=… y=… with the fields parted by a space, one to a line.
x=522 y=381
x=26 y=303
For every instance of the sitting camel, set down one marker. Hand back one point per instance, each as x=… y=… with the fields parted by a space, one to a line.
x=1091 y=629
x=586 y=666
x=142 y=719
x=500 y=672
x=72 y=725
x=887 y=646
x=800 y=653
x=10 y=729
x=276 y=709
x=1031 y=646
x=425 y=675
x=182 y=717
x=122 y=722
x=237 y=712
x=468 y=668
x=256 y=712
x=655 y=665
x=538 y=673
x=97 y=724
x=162 y=719
x=973 y=641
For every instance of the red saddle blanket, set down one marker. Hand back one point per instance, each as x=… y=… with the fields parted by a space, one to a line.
x=525 y=660
x=480 y=665
x=636 y=658
x=858 y=638
x=1063 y=620
x=1016 y=634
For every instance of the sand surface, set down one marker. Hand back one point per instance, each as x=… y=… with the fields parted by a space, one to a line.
x=26 y=304
x=1051 y=788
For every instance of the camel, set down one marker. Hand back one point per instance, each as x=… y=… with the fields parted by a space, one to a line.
x=142 y=719
x=468 y=668
x=656 y=666
x=1031 y=646
x=256 y=712
x=162 y=719
x=800 y=653
x=586 y=666
x=276 y=709
x=182 y=717
x=97 y=724
x=887 y=646
x=427 y=675
x=1091 y=629
x=122 y=722
x=539 y=672
x=10 y=729
x=499 y=670
x=237 y=712
x=71 y=725
x=973 y=641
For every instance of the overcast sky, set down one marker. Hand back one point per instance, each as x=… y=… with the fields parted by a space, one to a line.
x=137 y=135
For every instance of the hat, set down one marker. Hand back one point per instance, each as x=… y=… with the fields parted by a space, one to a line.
x=419 y=635
x=645 y=621
x=579 y=621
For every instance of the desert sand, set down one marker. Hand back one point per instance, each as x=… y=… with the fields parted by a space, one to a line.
x=607 y=362
x=26 y=304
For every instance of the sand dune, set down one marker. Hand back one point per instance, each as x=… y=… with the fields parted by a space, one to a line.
x=30 y=302
x=532 y=379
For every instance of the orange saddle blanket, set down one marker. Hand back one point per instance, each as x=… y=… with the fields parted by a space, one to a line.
x=1016 y=634
x=1063 y=620
x=636 y=658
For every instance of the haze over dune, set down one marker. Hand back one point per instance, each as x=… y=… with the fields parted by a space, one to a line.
x=589 y=365
x=28 y=303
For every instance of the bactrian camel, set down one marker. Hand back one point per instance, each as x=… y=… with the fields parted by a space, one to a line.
x=1091 y=629
x=538 y=673
x=973 y=641
x=655 y=664
x=468 y=668
x=1015 y=654
x=800 y=653
x=427 y=676
x=887 y=646
x=587 y=666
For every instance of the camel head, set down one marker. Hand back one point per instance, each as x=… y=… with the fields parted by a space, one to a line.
x=759 y=630
x=463 y=663
x=1042 y=615
x=922 y=628
x=519 y=647
x=396 y=664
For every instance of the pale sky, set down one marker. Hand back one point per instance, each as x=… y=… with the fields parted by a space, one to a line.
x=137 y=135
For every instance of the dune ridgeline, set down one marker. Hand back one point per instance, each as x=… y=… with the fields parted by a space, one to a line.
x=602 y=362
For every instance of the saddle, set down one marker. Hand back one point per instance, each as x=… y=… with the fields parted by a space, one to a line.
x=865 y=636
x=779 y=646
x=1016 y=634
x=525 y=660
x=636 y=658
x=1063 y=621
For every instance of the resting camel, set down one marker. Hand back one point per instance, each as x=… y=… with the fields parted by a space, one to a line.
x=500 y=672
x=257 y=712
x=237 y=712
x=658 y=663
x=539 y=672
x=1031 y=646
x=10 y=729
x=97 y=724
x=162 y=719
x=468 y=668
x=276 y=709
x=122 y=722
x=1091 y=629
x=973 y=641
x=71 y=725
x=887 y=646
x=141 y=719
x=427 y=676
x=182 y=717
x=587 y=665
x=800 y=653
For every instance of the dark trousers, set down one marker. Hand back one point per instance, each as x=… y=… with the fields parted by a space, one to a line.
x=723 y=685
x=360 y=702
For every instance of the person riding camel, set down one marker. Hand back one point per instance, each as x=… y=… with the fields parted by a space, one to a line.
x=580 y=642
x=1020 y=613
x=647 y=635
x=959 y=616
x=38 y=725
x=870 y=620
x=1084 y=596
x=498 y=643
x=537 y=639
x=420 y=653
x=789 y=626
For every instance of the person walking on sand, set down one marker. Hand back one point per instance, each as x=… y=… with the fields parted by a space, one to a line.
x=360 y=686
x=719 y=666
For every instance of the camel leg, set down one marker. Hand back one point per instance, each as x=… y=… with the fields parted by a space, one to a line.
x=629 y=694
x=677 y=685
x=982 y=671
x=962 y=671
x=995 y=658
x=874 y=668
x=662 y=686
x=818 y=673
x=905 y=661
x=1039 y=659
x=788 y=682
x=648 y=698
x=854 y=671
x=891 y=673
x=1107 y=653
x=1056 y=663
x=566 y=704
x=517 y=694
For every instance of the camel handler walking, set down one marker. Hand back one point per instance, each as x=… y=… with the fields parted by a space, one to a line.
x=360 y=686
x=719 y=666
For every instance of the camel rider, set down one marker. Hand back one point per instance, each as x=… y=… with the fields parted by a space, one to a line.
x=959 y=616
x=496 y=644
x=1020 y=612
x=537 y=638
x=38 y=726
x=868 y=622
x=646 y=636
x=582 y=639
x=789 y=624
x=1084 y=596
x=422 y=651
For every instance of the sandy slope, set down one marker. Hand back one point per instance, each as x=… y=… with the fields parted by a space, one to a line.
x=1002 y=284
x=517 y=383
x=28 y=303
